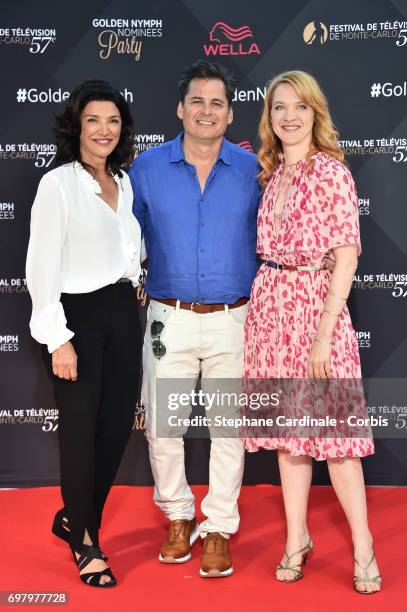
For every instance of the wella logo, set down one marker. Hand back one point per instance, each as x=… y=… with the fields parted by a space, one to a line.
x=221 y=31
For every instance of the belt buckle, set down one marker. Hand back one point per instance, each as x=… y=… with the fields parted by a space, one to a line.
x=194 y=304
x=277 y=266
x=307 y=268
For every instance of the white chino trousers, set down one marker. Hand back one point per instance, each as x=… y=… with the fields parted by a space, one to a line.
x=213 y=345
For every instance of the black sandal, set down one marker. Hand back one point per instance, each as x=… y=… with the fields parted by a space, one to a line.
x=88 y=554
x=61 y=532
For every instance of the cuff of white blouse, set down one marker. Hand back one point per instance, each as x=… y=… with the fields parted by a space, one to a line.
x=135 y=278
x=55 y=344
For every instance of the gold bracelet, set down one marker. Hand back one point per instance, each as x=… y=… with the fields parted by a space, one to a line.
x=334 y=314
x=337 y=296
x=322 y=341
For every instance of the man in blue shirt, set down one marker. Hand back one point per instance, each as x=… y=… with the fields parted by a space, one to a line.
x=196 y=198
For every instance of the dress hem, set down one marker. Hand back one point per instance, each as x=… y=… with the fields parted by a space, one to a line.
x=297 y=453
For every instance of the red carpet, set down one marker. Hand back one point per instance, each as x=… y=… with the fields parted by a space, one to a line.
x=32 y=559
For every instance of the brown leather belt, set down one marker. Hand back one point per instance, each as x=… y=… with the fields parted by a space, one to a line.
x=202 y=308
x=278 y=266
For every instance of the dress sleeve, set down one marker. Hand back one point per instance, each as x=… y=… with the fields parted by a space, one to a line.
x=340 y=210
x=49 y=220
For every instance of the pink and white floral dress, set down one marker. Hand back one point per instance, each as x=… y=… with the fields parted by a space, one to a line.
x=320 y=213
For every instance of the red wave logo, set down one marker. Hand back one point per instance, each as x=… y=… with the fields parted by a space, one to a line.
x=224 y=40
x=233 y=34
x=245 y=144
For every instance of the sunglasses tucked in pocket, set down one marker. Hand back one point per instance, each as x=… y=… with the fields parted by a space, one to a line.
x=156 y=329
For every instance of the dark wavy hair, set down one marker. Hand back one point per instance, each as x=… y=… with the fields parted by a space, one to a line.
x=67 y=127
x=206 y=70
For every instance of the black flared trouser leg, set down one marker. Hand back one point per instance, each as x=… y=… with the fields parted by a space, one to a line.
x=96 y=412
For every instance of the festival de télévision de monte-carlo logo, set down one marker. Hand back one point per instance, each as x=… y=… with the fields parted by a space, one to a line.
x=225 y=40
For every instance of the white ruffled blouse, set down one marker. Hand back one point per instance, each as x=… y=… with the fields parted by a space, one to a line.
x=77 y=244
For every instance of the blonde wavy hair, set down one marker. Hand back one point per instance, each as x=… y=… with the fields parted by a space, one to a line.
x=324 y=134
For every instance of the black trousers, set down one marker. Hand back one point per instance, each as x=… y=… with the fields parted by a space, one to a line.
x=96 y=413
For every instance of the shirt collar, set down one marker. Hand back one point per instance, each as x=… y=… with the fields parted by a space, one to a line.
x=177 y=152
x=224 y=153
x=88 y=179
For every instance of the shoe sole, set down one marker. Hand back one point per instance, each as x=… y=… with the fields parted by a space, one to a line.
x=192 y=539
x=216 y=573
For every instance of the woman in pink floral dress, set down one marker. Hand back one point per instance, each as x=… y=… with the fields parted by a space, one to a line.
x=298 y=325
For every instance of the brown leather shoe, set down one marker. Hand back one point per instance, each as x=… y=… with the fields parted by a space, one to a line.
x=182 y=534
x=216 y=560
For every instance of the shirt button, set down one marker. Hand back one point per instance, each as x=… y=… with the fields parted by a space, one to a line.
x=202 y=250
x=202 y=224
x=202 y=275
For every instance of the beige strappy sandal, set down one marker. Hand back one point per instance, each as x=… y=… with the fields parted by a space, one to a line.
x=296 y=569
x=365 y=578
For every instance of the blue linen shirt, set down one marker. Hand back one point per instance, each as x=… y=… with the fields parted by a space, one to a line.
x=201 y=247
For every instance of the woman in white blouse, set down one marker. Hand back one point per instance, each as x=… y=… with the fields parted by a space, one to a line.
x=82 y=265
